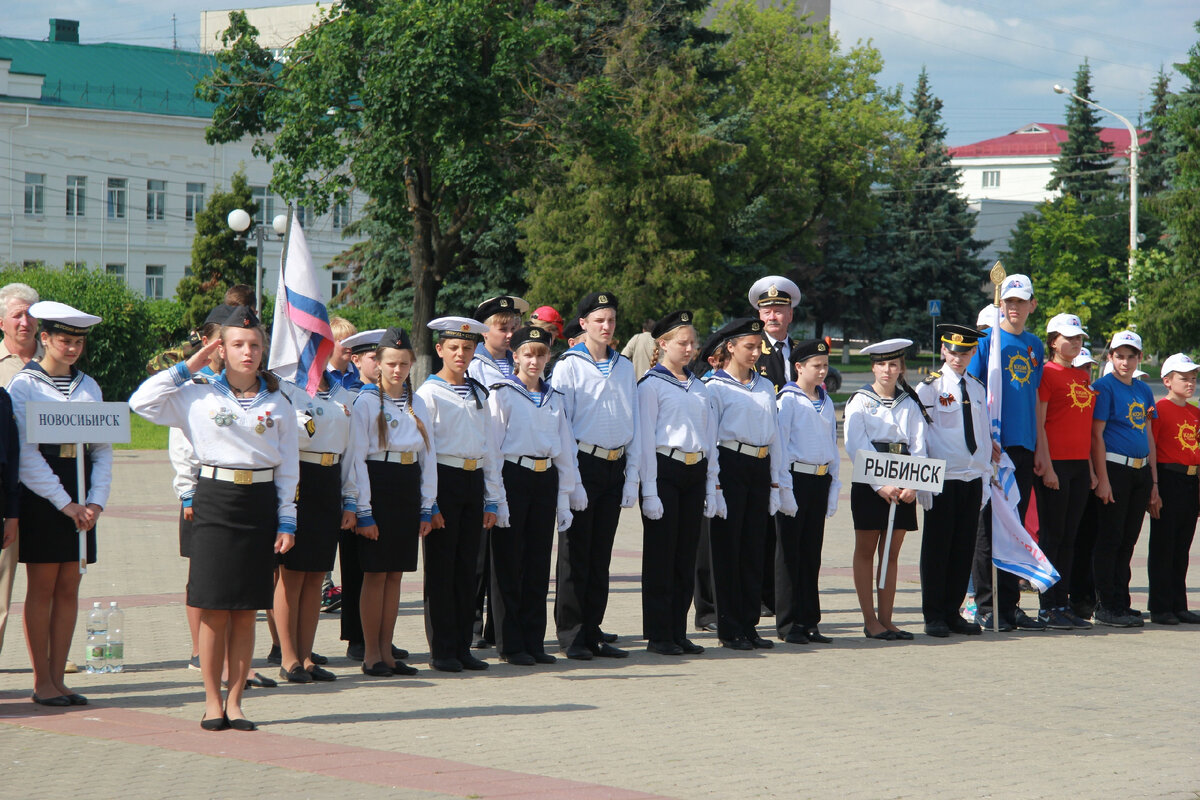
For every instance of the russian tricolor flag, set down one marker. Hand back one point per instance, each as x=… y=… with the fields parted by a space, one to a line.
x=301 y=341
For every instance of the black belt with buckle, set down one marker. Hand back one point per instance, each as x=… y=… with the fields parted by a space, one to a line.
x=895 y=448
x=1183 y=469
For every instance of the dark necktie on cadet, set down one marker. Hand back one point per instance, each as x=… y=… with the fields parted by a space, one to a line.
x=968 y=425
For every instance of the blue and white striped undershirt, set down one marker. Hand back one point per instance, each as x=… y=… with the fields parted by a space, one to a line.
x=62 y=383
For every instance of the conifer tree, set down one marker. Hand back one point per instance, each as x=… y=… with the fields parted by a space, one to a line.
x=1084 y=161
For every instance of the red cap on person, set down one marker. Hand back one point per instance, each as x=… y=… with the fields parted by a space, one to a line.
x=548 y=314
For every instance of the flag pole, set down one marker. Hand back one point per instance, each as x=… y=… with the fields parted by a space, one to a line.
x=81 y=491
x=997 y=276
x=287 y=239
x=887 y=544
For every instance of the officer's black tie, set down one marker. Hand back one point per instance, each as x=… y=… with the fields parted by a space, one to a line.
x=968 y=425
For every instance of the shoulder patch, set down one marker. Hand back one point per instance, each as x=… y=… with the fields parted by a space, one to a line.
x=201 y=379
x=933 y=376
x=972 y=377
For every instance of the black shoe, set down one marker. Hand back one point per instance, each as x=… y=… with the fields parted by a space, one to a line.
x=1136 y=612
x=446 y=664
x=884 y=635
x=711 y=627
x=481 y=644
x=758 y=642
x=796 y=636
x=689 y=647
x=403 y=669
x=1077 y=622
x=1024 y=622
x=664 y=648
x=1114 y=619
x=816 y=637
x=1056 y=619
x=472 y=663
x=578 y=652
x=1083 y=610
x=377 y=670
x=937 y=628
x=274 y=657
x=216 y=724
x=318 y=659
x=737 y=644
x=77 y=699
x=297 y=674
x=261 y=681
x=518 y=659
x=241 y=724
x=544 y=658
x=399 y=653
x=1163 y=618
x=957 y=624
x=55 y=702
x=611 y=638
x=1187 y=617
x=904 y=636
x=1138 y=620
x=606 y=650
x=763 y=611
x=355 y=651
x=321 y=674
x=985 y=622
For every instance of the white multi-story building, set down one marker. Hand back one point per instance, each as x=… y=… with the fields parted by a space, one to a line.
x=107 y=163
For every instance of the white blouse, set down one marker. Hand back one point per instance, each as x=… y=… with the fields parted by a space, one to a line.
x=323 y=426
x=522 y=425
x=461 y=428
x=402 y=436
x=744 y=413
x=671 y=413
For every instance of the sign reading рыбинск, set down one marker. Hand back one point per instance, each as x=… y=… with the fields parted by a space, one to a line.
x=894 y=469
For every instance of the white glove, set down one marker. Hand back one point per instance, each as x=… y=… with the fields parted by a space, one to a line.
x=629 y=495
x=579 y=498
x=652 y=507
x=787 y=502
x=831 y=504
x=565 y=517
x=925 y=499
x=773 y=503
x=722 y=509
x=710 y=505
x=502 y=520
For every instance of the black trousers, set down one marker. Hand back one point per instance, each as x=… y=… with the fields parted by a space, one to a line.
x=736 y=543
x=352 y=580
x=1120 y=524
x=770 y=544
x=705 y=596
x=521 y=560
x=450 y=556
x=1171 y=540
x=585 y=552
x=1059 y=512
x=797 y=555
x=947 y=548
x=669 y=550
x=1082 y=585
x=484 y=626
x=1007 y=592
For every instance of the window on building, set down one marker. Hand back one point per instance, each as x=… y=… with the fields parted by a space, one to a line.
x=266 y=205
x=302 y=216
x=34 y=263
x=338 y=282
x=341 y=216
x=187 y=271
x=155 y=280
x=117 y=190
x=35 y=194
x=991 y=178
x=76 y=195
x=156 y=200
x=194 y=201
x=115 y=269
x=74 y=266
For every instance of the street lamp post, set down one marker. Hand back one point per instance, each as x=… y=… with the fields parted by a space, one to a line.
x=239 y=220
x=1134 y=149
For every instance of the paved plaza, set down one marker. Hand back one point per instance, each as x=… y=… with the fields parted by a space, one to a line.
x=1106 y=713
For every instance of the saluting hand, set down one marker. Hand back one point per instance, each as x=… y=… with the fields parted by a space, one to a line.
x=200 y=358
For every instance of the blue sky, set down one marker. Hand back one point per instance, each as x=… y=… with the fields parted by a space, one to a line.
x=991 y=61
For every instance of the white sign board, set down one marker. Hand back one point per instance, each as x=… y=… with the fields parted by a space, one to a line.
x=893 y=469
x=77 y=422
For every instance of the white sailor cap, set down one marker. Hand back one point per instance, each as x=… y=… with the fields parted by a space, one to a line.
x=61 y=318
x=1065 y=324
x=774 y=290
x=1126 y=339
x=458 y=328
x=887 y=349
x=986 y=318
x=1018 y=286
x=363 y=341
x=1181 y=363
x=1137 y=373
x=1083 y=359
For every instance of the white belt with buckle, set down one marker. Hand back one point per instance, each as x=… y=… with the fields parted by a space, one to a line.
x=810 y=469
x=748 y=449
x=469 y=464
x=324 y=459
x=601 y=452
x=680 y=455
x=529 y=462
x=1136 y=463
x=241 y=477
x=402 y=456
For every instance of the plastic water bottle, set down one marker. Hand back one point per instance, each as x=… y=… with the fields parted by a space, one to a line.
x=96 y=650
x=115 y=650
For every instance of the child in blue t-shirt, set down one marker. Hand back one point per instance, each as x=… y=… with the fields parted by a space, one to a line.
x=1126 y=474
x=1022 y=354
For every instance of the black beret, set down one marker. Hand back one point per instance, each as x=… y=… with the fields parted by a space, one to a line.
x=676 y=319
x=596 y=301
x=241 y=317
x=807 y=349
x=495 y=305
x=530 y=333
x=745 y=326
x=218 y=315
x=395 y=338
x=571 y=329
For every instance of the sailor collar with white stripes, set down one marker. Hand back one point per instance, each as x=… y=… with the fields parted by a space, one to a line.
x=515 y=383
x=875 y=400
x=221 y=383
x=437 y=381
x=791 y=387
x=724 y=377
x=662 y=373
x=483 y=355
x=39 y=372
x=580 y=351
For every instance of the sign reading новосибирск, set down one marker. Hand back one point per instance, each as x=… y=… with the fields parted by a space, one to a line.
x=77 y=422
x=894 y=469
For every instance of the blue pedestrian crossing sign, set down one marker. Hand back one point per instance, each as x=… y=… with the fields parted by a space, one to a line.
x=935 y=308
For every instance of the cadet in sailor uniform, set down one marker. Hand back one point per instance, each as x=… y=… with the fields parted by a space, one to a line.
x=468 y=494
x=743 y=483
x=491 y=364
x=599 y=393
x=883 y=416
x=49 y=516
x=959 y=434
x=326 y=505
x=809 y=486
x=529 y=430
x=394 y=455
x=243 y=430
x=711 y=358
x=674 y=426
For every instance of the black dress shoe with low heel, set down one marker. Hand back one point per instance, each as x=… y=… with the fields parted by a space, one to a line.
x=689 y=647
x=884 y=635
x=377 y=670
x=215 y=724
x=60 y=701
x=759 y=643
x=664 y=648
x=241 y=724
x=817 y=637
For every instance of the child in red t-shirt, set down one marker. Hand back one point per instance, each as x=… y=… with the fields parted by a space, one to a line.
x=1174 y=525
x=1062 y=462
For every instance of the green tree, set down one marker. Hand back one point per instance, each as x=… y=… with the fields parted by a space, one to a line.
x=1167 y=311
x=221 y=257
x=1157 y=154
x=1084 y=160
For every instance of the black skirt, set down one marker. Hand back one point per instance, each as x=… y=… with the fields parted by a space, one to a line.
x=47 y=535
x=870 y=511
x=185 y=535
x=233 y=546
x=318 y=519
x=396 y=507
